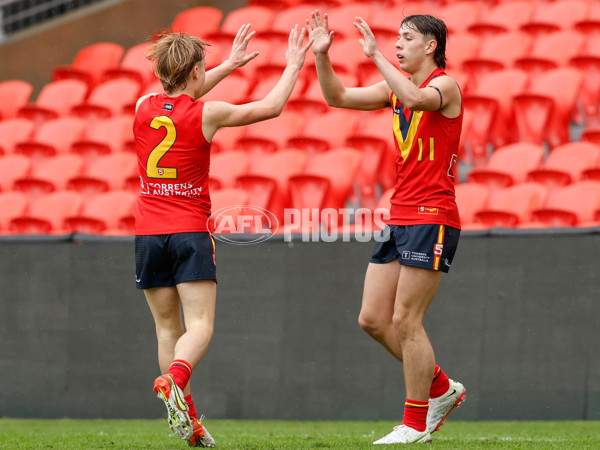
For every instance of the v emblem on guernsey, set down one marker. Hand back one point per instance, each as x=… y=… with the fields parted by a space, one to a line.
x=405 y=126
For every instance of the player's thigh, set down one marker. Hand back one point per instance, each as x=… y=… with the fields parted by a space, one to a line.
x=165 y=306
x=416 y=290
x=198 y=299
x=379 y=292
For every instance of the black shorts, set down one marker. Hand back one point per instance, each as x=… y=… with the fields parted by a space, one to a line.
x=427 y=246
x=170 y=259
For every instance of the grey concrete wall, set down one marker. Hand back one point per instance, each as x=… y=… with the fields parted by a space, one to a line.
x=516 y=320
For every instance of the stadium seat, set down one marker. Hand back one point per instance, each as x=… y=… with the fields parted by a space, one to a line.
x=542 y=56
x=49 y=175
x=14 y=94
x=90 y=63
x=221 y=201
x=102 y=214
x=496 y=53
x=588 y=62
x=200 y=21
x=226 y=138
x=12 y=131
x=52 y=137
x=104 y=136
x=108 y=99
x=259 y=17
x=12 y=167
x=107 y=172
x=459 y=16
x=490 y=103
x=12 y=204
x=327 y=180
x=543 y=113
x=286 y=19
x=512 y=205
x=225 y=167
x=267 y=181
x=508 y=165
x=565 y=164
x=461 y=47
x=341 y=17
x=570 y=205
x=503 y=17
x=46 y=214
x=270 y=135
x=471 y=198
x=317 y=135
x=55 y=100
x=232 y=89
x=311 y=101
x=556 y=15
x=134 y=66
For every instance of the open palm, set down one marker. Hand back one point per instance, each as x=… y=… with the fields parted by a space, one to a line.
x=318 y=28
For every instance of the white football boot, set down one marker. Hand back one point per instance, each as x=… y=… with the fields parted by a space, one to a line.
x=441 y=407
x=402 y=434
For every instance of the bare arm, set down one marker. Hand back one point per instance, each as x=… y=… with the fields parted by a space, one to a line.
x=237 y=58
x=335 y=93
x=220 y=114
x=446 y=97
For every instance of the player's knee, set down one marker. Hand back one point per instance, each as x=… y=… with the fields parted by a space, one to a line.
x=403 y=322
x=370 y=324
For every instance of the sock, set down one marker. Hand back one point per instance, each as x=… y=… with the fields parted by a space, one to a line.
x=415 y=414
x=440 y=383
x=192 y=412
x=181 y=372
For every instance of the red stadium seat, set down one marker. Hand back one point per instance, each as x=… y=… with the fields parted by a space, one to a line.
x=102 y=214
x=503 y=17
x=341 y=17
x=260 y=17
x=544 y=112
x=317 y=135
x=104 y=136
x=267 y=182
x=470 y=198
x=311 y=101
x=286 y=19
x=557 y=15
x=13 y=167
x=232 y=89
x=52 y=137
x=200 y=21
x=225 y=167
x=270 y=135
x=565 y=164
x=50 y=175
x=55 y=100
x=12 y=204
x=13 y=131
x=508 y=165
x=542 y=56
x=461 y=47
x=46 y=214
x=223 y=202
x=513 y=205
x=108 y=99
x=14 y=94
x=459 y=16
x=90 y=63
x=134 y=66
x=108 y=172
x=491 y=106
x=570 y=205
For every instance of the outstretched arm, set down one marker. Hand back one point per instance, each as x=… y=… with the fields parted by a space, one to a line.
x=237 y=58
x=220 y=114
x=335 y=93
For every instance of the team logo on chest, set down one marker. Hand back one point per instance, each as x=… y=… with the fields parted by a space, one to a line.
x=406 y=123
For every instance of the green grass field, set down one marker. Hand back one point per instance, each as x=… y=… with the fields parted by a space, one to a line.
x=234 y=434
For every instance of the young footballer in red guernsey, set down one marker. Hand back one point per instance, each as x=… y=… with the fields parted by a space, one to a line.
x=175 y=253
x=405 y=271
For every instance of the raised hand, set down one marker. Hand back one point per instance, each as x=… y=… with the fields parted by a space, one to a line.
x=296 y=52
x=238 y=56
x=368 y=42
x=318 y=31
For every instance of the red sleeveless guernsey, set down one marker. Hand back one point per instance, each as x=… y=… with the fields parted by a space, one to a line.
x=426 y=152
x=174 y=158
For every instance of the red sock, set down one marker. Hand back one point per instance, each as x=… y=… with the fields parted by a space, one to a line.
x=181 y=372
x=192 y=412
x=440 y=383
x=415 y=414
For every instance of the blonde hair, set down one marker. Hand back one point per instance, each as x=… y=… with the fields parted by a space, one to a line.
x=173 y=56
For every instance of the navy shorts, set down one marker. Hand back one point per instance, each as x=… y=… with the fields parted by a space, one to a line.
x=170 y=259
x=427 y=246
